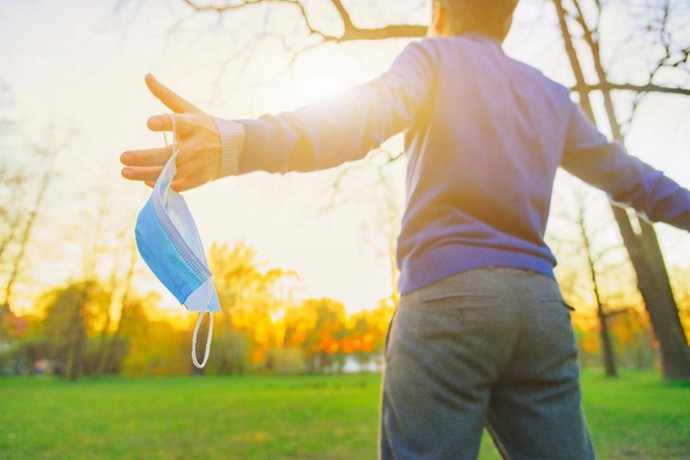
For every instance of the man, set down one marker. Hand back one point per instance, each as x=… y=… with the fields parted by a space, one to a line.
x=482 y=336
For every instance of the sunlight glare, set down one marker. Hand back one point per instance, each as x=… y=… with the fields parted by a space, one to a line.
x=316 y=87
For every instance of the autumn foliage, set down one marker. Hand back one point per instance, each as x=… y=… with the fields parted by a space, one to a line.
x=264 y=327
x=87 y=328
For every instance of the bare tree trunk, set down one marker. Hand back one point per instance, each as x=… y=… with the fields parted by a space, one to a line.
x=606 y=345
x=26 y=233
x=76 y=361
x=14 y=225
x=75 y=364
x=103 y=346
x=662 y=309
x=643 y=249
x=115 y=341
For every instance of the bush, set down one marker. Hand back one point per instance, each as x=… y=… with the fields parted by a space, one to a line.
x=286 y=360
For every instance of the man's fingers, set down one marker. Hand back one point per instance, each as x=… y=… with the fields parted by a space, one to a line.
x=150 y=157
x=186 y=183
x=180 y=185
x=168 y=97
x=143 y=173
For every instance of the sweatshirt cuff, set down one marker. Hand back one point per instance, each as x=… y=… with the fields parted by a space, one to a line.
x=232 y=146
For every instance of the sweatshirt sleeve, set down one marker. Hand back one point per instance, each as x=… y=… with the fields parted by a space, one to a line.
x=628 y=180
x=342 y=128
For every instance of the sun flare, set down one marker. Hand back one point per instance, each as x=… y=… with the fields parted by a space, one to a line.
x=316 y=87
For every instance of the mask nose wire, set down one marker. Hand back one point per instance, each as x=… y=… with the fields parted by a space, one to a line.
x=209 y=338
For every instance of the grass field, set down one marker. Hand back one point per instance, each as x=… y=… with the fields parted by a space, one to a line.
x=326 y=417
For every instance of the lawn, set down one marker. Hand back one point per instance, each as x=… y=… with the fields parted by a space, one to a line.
x=306 y=417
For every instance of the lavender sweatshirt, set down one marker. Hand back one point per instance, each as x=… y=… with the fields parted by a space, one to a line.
x=484 y=136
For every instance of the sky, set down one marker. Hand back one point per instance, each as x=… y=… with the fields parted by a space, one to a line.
x=75 y=71
x=79 y=65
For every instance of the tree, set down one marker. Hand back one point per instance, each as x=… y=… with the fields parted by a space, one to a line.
x=69 y=322
x=598 y=255
x=318 y=327
x=250 y=298
x=148 y=346
x=22 y=197
x=23 y=224
x=370 y=330
x=642 y=246
x=111 y=345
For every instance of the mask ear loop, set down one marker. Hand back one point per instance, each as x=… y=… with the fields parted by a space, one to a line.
x=165 y=136
x=208 y=338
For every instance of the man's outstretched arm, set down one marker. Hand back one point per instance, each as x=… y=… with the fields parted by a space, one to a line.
x=318 y=136
x=627 y=179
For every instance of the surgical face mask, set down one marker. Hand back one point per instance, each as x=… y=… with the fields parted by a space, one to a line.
x=169 y=243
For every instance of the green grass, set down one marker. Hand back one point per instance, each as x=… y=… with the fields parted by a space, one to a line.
x=327 y=417
x=637 y=416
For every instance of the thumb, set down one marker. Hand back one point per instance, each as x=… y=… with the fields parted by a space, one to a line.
x=168 y=97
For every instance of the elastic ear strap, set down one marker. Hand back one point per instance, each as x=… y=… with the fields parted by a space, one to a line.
x=208 y=339
x=174 y=128
x=172 y=120
x=198 y=324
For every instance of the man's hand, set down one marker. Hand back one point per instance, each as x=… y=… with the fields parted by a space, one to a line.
x=197 y=139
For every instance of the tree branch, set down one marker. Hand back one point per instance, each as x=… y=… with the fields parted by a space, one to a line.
x=344 y=15
x=648 y=88
x=383 y=33
x=350 y=31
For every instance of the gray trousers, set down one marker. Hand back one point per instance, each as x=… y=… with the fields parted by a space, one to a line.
x=492 y=347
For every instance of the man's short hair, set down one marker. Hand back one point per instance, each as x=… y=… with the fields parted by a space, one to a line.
x=488 y=16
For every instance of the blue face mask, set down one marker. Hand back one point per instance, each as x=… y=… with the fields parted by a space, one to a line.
x=169 y=243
